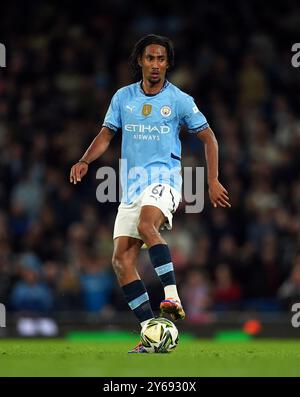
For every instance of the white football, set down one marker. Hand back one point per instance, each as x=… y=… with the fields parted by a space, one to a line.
x=159 y=335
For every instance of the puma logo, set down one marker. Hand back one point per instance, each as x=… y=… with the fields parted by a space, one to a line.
x=131 y=108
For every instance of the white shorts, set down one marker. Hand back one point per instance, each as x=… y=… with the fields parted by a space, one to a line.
x=162 y=196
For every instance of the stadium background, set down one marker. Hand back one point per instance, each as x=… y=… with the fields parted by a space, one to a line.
x=64 y=62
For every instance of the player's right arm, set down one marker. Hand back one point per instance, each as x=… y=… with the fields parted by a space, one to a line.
x=94 y=151
x=112 y=122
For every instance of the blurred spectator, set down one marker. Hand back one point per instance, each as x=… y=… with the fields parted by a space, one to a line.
x=97 y=283
x=253 y=84
x=33 y=300
x=30 y=295
x=196 y=295
x=68 y=290
x=227 y=292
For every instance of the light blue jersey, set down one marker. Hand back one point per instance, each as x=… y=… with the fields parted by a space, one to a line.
x=150 y=124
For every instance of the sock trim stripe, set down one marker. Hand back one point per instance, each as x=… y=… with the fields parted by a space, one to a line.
x=168 y=267
x=138 y=301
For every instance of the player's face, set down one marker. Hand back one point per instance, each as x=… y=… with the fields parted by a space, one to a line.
x=154 y=63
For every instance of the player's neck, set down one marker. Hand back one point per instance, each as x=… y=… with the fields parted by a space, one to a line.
x=152 y=88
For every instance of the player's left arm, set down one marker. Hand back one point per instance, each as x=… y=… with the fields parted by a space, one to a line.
x=217 y=193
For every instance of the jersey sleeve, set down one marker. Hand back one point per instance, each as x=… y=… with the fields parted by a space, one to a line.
x=190 y=115
x=112 y=119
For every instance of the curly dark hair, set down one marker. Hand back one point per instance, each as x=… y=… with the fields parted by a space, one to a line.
x=140 y=46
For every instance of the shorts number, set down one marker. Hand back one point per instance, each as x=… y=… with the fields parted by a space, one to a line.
x=156 y=190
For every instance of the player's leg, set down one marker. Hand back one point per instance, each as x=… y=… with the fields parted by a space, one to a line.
x=150 y=220
x=125 y=259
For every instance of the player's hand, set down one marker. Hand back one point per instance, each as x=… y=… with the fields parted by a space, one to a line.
x=218 y=194
x=78 y=171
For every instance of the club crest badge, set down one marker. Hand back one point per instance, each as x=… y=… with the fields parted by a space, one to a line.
x=165 y=111
x=147 y=109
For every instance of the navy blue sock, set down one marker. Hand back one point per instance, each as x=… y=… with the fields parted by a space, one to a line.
x=161 y=259
x=138 y=300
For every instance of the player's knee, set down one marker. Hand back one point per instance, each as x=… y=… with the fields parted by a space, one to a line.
x=120 y=264
x=146 y=229
x=142 y=228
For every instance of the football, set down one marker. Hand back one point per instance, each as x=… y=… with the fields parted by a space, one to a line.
x=159 y=335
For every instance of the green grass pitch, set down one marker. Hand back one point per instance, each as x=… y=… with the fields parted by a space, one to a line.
x=197 y=357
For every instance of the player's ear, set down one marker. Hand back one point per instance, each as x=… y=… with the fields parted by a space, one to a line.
x=139 y=61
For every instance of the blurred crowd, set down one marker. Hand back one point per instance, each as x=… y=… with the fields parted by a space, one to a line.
x=63 y=66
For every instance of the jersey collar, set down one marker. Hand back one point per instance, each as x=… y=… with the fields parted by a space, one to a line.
x=166 y=83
